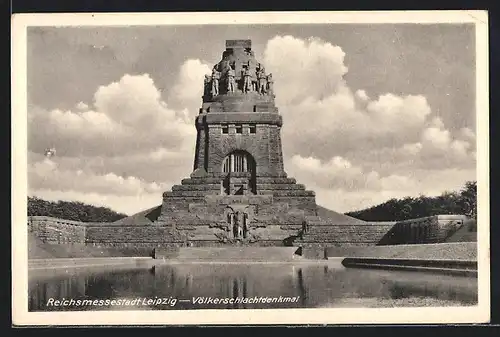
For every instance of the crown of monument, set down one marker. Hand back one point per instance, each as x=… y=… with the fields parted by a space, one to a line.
x=238 y=76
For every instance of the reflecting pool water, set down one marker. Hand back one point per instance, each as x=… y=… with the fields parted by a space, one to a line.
x=219 y=286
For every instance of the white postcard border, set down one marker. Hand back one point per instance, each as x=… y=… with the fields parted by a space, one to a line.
x=428 y=315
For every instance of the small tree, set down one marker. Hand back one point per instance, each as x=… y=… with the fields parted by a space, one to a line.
x=468 y=199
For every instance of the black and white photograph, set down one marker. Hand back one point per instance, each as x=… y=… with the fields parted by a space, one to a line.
x=264 y=168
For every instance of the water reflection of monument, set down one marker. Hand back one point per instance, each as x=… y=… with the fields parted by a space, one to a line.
x=229 y=281
x=326 y=286
x=317 y=286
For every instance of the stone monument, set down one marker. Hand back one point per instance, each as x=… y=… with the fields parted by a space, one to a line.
x=238 y=191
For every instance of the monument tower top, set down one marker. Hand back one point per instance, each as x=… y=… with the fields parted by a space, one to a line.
x=246 y=44
x=238 y=119
x=238 y=77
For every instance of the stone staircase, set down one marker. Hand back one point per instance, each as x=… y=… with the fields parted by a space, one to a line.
x=236 y=254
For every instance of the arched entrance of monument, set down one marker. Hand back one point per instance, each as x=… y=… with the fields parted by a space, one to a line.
x=239 y=170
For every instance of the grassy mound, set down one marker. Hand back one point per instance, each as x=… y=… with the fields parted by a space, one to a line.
x=339 y=218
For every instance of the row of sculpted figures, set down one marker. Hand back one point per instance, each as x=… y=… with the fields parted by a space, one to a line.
x=250 y=81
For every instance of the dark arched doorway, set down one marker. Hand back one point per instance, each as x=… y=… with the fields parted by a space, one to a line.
x=238 y=169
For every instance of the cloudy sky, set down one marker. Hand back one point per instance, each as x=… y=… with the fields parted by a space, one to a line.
x=371 y=112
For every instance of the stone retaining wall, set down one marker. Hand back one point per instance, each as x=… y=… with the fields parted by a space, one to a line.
x=450 y=267
x=278 y=223
x=461 y=250
x=433 y=229
x=143 y=235
x=55 y=230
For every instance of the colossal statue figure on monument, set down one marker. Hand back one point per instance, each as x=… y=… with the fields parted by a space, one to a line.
x=270 y=82
x=207 y=85
x=215 y=82
x=231 y=84
x=247 y=80
x=262 y=81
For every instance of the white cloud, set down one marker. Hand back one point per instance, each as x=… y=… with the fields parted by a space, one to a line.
x=411 y=149
x=318 y=105
x=460 y=148
x=82 y=106
x=343 y=186
x=304 y=68
x=133 y=101
x=361 y=94
x=421 y=182
x=436 y=122
x=406 y=112
x=188 y=89
x=353 y=150
x=336 y=172
x=441 y=149
x=130 y=117
x=436 y=138
x=324 y=118
x=340 y=173
x=467 y=134
x=47 y=175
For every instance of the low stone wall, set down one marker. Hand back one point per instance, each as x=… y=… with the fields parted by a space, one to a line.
x=104 y=238
x=451 y=267
x=433 y=229
x=108 y=238
x=148 y=235
x=45 y=250
x=89 y=262
x=54 y=230
x=439 y=251
x=326 y=234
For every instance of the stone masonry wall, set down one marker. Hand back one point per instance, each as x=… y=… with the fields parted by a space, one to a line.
x=54 y=230
x=433 y=229
x=269 y=227
x=327 y=234
x=261 y=145
x=201 y=148
x=139 y=236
